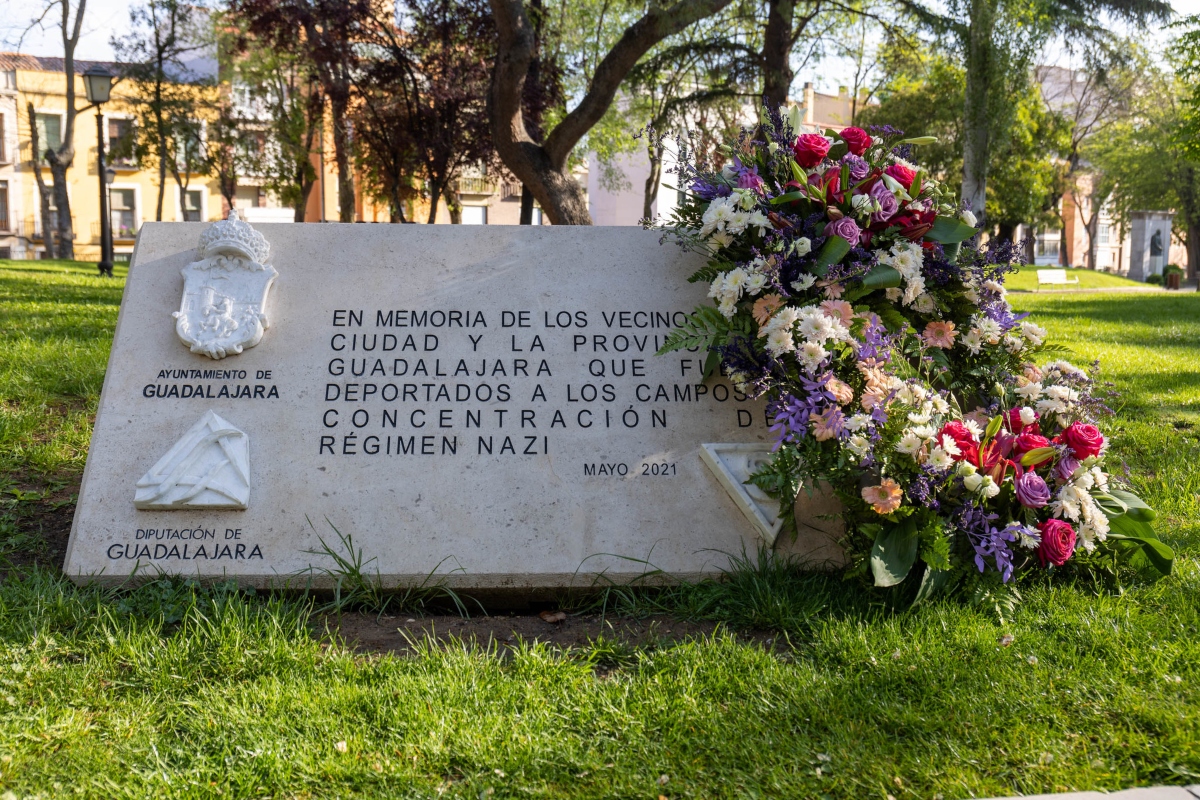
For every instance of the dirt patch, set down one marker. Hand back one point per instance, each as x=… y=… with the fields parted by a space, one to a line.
x=397 y=635
x=35 y=522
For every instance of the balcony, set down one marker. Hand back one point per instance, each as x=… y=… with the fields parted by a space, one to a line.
x=121 y=235
x=32 y=229
x=484 y=186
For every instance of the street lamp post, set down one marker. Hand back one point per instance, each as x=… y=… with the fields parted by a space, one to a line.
x=97 y=83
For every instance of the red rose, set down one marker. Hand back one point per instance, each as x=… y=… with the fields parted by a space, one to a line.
x=810 y=149
x=1086 y=440
x=1016 y=425
x=1058 y=542
x=856 y=139
x=963 y=439
x=903 y=175
x=1029 y=439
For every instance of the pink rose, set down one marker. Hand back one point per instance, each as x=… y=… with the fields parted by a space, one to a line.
x=903 y=175
x=1029 y=439
x=856 y=139
x=1084 y=439
x=1058 y=542
x=810 y=149
x=846 y=228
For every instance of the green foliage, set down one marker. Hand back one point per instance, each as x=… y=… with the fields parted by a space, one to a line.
x=894 y=552
x=706 y=328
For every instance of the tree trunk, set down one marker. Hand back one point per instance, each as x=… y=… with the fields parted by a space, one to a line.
x=65 y=244
x=1193 y=250
x=339 y=102
x=1006 y=232
x=777 y=51
x=652 y=180
x=397 y=204
x=435 y=196
x=43 y=191
x=453 y=202
x=975 y=107
x=526 y=206
x=543 y=167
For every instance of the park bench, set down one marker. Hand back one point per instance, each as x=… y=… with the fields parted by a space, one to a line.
x=1055 y=277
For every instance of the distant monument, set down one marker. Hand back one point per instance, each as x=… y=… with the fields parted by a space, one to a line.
x=1149 y=243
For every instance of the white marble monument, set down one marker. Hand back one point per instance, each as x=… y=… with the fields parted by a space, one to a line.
x=483 y=403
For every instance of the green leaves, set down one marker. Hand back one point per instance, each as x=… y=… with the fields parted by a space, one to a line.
x=880 y=277
x=701 y=329
x=950 y=230
x=1130 y=530
x=833 y=251
x=894 y=553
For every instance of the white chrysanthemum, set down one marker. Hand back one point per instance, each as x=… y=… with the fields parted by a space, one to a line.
x=858 y=446
x=1101 y=479
x=1033 y=333
x=779 y=342
x=924 y=431
x=1050 y=406
x=910 y=444
x=717 y=290
x=989 y=329
x=973 y=427
x=857 y=422
x=925 y=304
x=939 y=404
x=1058 y=392
x=735 y=281
x=759 y=220
x=994 y=286
x=737 y=221
x=904 y=394
x=971 y=295
x=804 y=282
x=1030 y=391
x=914 y=288
x=727 y=307
x=1014 y=344
x=1028 y=537
x=893 y=294
x=950 y=446
x=811 y=354
x=755 y=283
x=721 y=239
x=918 y=418
x=940 y=459
x=973 y=341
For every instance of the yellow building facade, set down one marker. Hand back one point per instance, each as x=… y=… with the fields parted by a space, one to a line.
x=40 y=83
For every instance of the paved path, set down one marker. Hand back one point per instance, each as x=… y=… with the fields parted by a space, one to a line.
x=1149 y=793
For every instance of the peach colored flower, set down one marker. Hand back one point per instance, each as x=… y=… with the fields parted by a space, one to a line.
x=833 y=289
x=765 y=308
x=841 y=391
x=840 y=310
x=939 y=333
x=979 y=416
x=872 y=399
x=884 y=498
x=1032 y=373
x=828 y=424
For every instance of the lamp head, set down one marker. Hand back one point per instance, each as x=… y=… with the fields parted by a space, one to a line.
x=97 y=83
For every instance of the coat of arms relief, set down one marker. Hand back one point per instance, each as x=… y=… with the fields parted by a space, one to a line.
x=225 y=293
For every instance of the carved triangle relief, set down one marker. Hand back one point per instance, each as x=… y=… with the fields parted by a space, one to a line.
x=732 y=464
x=208 y=468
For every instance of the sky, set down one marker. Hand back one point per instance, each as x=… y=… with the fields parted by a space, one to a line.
x=103 y=18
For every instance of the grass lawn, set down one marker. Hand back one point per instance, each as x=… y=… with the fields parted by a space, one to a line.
x=1026 y=280
x=171 y=691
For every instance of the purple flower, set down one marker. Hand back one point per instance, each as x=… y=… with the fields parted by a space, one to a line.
x=846 y=228
x=748 y=179
x=1032 y=491
x=888 y=204
x=859 y=168
x=1065 y=467
x=986 y=540
x=707 y=191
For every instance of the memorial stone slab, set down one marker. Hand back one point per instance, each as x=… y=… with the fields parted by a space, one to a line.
x=483 y=404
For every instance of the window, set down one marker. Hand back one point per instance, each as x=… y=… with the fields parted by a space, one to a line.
x=1102 y=233
x=122 y=213
x=474 y=215
x=49 y=129
x=1047 y=244
x=121 y=142
x=3 y=141
x=8 y=79
x=192 y=208
x=4 y=206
